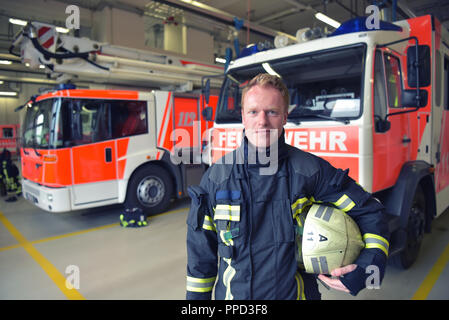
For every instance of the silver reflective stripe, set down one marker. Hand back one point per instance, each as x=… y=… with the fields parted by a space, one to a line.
x=227 y=212
x=327 y=212
x=199 y=284
x=299 y=205
x=320 y=211
x=228 y=274
x=208 y=224
x=316 y=265
x=344 y=203
x=324 y=267
x=375 y=241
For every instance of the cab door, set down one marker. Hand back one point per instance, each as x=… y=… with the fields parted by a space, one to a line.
x=94 y=154
x=391 y=147
x=187 y=125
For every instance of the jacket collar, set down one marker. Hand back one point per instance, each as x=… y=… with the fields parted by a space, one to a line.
x=253 y=156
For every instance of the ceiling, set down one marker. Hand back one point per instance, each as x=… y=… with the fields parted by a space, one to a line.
x=280 y=15
x=262 y=15
x=264 y=18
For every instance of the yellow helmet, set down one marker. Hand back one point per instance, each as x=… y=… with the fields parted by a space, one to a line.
x=330 y=239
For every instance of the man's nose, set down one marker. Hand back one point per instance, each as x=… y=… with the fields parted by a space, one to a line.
x=262 y=118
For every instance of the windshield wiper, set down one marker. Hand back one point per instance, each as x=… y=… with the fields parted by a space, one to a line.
x=297 y=121
x=322 y=116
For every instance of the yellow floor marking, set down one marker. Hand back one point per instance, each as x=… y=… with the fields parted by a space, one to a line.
x=432 y=277
x=66 y=235
x=46 y=265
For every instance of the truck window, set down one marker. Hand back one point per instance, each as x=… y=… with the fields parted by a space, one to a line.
x=95 y=120
x=7 y=133
x=380 y=96
x=438 y=81
x=36 y=127
x=325 y=84
x=394 y=80
x=128 y=118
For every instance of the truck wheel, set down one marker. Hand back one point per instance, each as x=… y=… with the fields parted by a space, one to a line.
x=150 y=189
x=415 y=231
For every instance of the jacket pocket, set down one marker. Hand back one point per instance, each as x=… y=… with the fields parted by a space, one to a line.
x=284 y=229
x=198 y=206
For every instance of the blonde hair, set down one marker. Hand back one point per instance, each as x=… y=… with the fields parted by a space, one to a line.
x=265 y=79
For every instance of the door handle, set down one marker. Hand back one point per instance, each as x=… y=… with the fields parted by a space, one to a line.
x=406 y=139
x=108 y=154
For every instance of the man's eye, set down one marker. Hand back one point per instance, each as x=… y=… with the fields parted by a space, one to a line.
x=272 y=113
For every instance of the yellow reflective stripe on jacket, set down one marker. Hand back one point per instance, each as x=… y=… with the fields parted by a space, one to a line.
x=209 y=224
x=344 y=203
x=200 y=284
x=300 y=286
x=227 y=212
x=375 y=241
x=299 y=205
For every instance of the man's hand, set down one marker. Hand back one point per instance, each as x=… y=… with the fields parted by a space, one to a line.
x=335 y=283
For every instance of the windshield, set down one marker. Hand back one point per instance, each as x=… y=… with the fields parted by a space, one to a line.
x=39 y=119
x=67 y=122
x=322 y=85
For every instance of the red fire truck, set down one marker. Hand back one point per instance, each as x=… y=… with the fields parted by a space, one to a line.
x=371 y=100
x=86 y=148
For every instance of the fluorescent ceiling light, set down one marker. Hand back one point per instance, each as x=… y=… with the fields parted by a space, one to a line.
x=8 y=93
x=18 y=21
x=327 y=20
x=269 y=69
x=220 y=60
x=5 y=61
x=62 y=30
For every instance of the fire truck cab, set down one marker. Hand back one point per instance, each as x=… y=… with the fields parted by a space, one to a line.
x=85 y=148
x=371 y=100
x=89 y=148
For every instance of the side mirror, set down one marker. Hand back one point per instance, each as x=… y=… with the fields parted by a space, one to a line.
x=418 y=66
x=410 y=99
x=207 y=113
x=206 y=91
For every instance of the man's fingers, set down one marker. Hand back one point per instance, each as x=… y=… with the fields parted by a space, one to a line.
x=343 y=270
x=333 y=283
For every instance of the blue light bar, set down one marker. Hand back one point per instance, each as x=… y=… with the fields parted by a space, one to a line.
x=65 y=86
x=249 y=50
x=359 y=24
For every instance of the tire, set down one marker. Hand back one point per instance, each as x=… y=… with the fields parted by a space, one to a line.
x=150 y=189
x=415 y=231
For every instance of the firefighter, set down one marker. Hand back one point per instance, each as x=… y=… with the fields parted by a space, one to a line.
x=245 y=212
x=9 y=176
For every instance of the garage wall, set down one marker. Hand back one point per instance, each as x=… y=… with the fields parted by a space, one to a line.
x=7 y=104
x=112 y=25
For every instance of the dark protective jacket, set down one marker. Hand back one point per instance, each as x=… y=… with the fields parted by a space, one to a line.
x=241 y=225
x=9 y=173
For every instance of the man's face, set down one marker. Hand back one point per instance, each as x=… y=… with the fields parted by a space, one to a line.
x=263 y=110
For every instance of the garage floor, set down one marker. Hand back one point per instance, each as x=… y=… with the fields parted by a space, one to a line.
x=39 y=251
